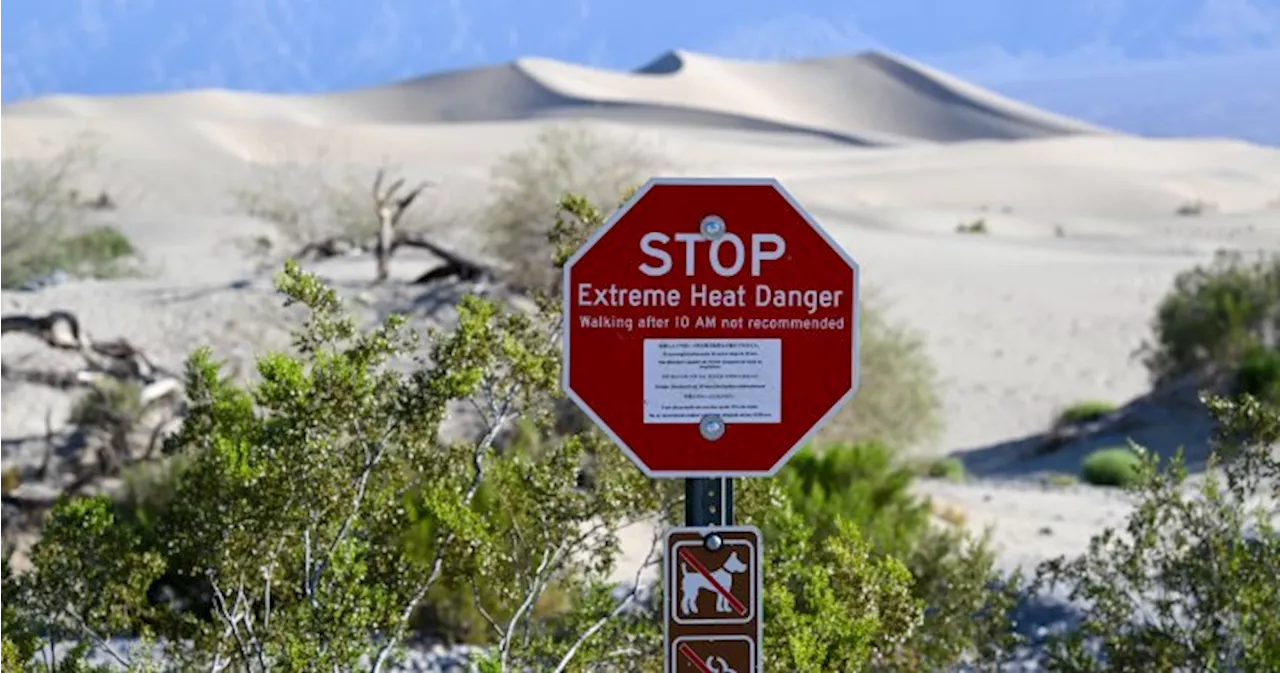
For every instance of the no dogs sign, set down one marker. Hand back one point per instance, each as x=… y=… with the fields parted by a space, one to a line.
x=713 y=599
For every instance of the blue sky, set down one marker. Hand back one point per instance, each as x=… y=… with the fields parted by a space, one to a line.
x=1034 y=49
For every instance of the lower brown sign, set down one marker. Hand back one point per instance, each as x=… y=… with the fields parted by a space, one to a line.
x=713 y=600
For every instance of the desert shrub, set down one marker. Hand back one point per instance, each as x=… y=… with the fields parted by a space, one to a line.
x=978 y=226
x=862 y=484
x=833 y=604
x=344 y=526
x=528 y=183
x=949 y=468
x=1086 y=411
x=1113 y=466
x=306 y=201
x=897 y=401
x=20 y=642
x=1214 y=315
x=1194 y=207
x=1189 y=583
x=1259 y=374
x=44 y=224
x=952 y=573
x=1061 y=479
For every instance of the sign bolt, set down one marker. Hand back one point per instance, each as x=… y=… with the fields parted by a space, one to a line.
x=714 y=542
x=711 y=427
x=712 y=227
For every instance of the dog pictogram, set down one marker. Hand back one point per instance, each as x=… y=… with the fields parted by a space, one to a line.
x=719 y=582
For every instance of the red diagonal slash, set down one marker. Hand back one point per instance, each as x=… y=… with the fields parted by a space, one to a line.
x=694 y=658
x=734 y=603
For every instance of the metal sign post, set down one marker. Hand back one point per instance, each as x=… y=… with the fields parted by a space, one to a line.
x=708 y=502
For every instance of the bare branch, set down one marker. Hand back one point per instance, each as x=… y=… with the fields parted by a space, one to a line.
x=49 y=445
x=437 y=563
x=334 y=246
x=455 y=265
x=548 y=556
x=475 y=595
x=232 y=620
x=377 y=185
x=357 y=501
x=650 y=559
x=99 y=640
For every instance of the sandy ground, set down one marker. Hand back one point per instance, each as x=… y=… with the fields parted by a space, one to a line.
x=1043 y=311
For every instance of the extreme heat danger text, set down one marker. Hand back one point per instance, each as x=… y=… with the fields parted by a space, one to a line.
x=700 y=295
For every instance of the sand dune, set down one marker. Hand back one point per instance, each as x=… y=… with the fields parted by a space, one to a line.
x=872 y=98
x=1044 y=310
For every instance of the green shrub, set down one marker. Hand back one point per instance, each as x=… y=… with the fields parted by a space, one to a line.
x=1214 y=315
x=44 y=225
x=897 y=401
x=1061 y=479
x=978 y=226
x=1115 y=466
x=1084 y=412
x=951 y=573
x=1197 y=562
x=860 y=483
x=1259 y=374
x=950 y=468
x=97 y=252
x=528 y=184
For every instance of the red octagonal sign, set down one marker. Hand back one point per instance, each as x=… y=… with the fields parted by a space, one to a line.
x=711 y=326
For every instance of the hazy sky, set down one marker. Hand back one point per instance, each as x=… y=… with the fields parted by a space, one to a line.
x=126 y=46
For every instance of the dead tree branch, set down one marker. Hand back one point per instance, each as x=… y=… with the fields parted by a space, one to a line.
x=389 y=210
x=61 y=330
x=455 y=265
x=110 y=416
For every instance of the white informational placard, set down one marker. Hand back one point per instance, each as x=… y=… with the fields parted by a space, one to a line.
x=739 y=380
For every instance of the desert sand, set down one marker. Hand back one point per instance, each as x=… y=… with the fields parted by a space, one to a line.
x=1044 y=310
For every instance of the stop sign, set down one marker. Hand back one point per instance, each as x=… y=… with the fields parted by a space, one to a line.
x=711 y=326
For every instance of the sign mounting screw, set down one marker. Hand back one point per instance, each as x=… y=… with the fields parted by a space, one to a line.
x=712 y=227
x=711 y=428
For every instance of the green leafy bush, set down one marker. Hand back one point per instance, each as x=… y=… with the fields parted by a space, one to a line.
x=1086 y=411
x=562 y=159
x=949 y=468
x=1113 y=466
x=952 y=574
x=862 y=484
x=1189 y=583
x=1259 y=374
x=44 y=225
x=897 y=401
x=1214 y=315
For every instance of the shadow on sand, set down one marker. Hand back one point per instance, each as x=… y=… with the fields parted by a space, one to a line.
x=1162 y=421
